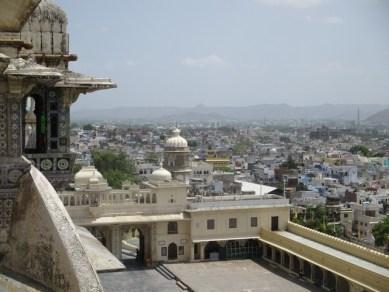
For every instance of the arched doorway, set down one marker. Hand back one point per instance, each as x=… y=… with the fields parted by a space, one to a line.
x=212 y=247
x=296 y=265
x=172 y=251
x=133 y=246
x=278 y=256
x=317 y=276
x=307 y=270
x=331 y=281
x=342 y=284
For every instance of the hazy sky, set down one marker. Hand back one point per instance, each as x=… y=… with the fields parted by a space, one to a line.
x=232 y=52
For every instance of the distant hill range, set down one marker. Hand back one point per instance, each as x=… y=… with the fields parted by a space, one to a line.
x=380 y=118
x=276 y=112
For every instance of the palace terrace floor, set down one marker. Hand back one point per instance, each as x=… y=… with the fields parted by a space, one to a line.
x=237 y=275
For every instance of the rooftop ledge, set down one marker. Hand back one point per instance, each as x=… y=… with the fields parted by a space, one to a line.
x=240 y=202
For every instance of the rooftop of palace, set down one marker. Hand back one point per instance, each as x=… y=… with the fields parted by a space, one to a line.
x=236 y=202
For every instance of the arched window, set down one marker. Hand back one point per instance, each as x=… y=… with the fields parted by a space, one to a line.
x=30 y=125
x=154 y=198
x=148 y=199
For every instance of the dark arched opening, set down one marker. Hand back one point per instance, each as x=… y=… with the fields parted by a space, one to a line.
x=296 y=265
x=269 y=252
x=212 y=248
x=172 y=251
x=307 y=270
x=317 y=276
x=278 y=256
x=34 y=124
x=133 y=248
x=342 y=285
x=331 y=281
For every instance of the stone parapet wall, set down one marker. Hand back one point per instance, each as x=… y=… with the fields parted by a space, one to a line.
x=44 y=245
x=339 y=244
x=357 y=275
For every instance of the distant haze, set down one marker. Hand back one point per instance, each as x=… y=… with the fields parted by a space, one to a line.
x=232 y=52
x=269 y=112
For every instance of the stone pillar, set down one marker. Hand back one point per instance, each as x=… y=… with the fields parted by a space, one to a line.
x=264 y=250
x=312 y=273
x=192 y=254
x=291 y=262
x=147 y=244
x=282 y=258
x=116 y=241
x=273 y=254
x=202 y=246
x=324 y=285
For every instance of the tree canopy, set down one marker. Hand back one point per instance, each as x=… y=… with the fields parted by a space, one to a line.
x=290 y=163
x=317 y=218
x=115 y=167
x=381 y=233
x=88 y=127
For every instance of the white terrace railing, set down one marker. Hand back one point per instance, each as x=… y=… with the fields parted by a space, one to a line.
x=116 y=197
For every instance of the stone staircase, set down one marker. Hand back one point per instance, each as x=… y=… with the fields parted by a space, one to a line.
x=166 y=273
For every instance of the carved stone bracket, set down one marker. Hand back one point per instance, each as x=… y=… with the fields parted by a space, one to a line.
x=70 y=95
x=11 y=170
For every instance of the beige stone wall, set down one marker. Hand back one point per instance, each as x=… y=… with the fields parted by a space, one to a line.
x=199 y=229
x=161 y=238
x=44 y=243
x=342 y=245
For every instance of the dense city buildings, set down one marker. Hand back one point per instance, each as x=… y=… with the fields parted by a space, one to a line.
x=110 y=207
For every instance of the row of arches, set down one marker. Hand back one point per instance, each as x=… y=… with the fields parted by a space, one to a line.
x=305 y=269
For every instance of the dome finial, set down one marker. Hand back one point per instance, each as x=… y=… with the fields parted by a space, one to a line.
x=176 y=132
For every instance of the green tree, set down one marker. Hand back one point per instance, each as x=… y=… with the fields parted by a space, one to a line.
x=242 y=147
x=301 y=187
x=290 y=163
x=360 y=149
x=381 y=233
x=115 y=167
x=88 y=127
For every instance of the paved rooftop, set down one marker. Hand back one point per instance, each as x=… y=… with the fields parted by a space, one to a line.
x=137 y=280
x=237 y=275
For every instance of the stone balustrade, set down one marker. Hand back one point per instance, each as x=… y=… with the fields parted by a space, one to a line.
x=339 y=244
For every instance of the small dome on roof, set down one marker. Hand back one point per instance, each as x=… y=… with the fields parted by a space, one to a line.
x=88 y=176
x=49 y=11
x=46 y=31
x=176 y=141
x=160 y=175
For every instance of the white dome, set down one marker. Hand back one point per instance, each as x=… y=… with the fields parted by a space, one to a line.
x=176 y=141
x=161 y=174
x=87 y=176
